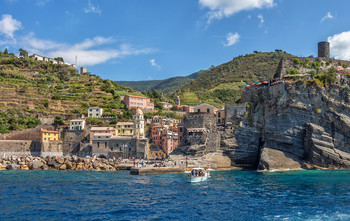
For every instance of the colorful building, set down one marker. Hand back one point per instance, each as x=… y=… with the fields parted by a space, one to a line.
x=155 y=152
x=101 y=130
x=220 y=116
x=95 y=112
x=78 y=124
x=49 y=135
x=125 y=129
x=205 y=108
x=185 y=108
x=133 y=101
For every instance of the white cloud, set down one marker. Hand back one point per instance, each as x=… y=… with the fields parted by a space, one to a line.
x=89 y=51
x=327 y=16
x=225 y=8
x=231 y=39
x=261 y=19
x=154 y=64
x=8 y=25
x=92 y=8
x=340 y=45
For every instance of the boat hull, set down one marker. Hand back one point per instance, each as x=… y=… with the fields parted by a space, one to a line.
x=198 y=179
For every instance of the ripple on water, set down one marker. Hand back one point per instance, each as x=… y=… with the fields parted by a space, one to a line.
x=227 y=195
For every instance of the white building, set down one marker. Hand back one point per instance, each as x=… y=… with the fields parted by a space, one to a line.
x=95 y=112
x=78 y=124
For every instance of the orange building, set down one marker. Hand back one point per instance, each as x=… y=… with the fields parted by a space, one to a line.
x=185 y=108
x=133 y=101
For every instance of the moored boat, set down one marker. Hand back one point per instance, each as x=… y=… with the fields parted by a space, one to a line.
x=198 y=175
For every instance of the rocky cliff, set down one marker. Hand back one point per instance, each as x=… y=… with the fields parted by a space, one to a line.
x=301 y=125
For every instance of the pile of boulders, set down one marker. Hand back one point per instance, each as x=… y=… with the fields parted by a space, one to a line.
x=57 y=163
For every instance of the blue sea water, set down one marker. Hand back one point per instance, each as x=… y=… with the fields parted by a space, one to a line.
x=227 y=195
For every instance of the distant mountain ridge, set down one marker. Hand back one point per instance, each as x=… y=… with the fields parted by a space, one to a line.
x=165 y=86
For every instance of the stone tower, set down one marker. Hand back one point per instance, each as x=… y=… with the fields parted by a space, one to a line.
x=323 y=49
x=139 y=124
x=177 y=102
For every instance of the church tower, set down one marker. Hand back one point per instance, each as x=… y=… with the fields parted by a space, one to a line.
x=139 y=124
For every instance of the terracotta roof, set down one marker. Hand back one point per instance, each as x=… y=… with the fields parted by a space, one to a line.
x=94 y=107
x=205 y=104
x=49 y=131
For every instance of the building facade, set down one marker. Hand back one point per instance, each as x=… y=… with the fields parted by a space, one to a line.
x=49 y=135
x=139 y=124
x=78 y=124
x=125 y=129
x=101 y=130
x=133 y=101
x=185 y=108
x=221 y=116
x=205 y=108
x=95 y=112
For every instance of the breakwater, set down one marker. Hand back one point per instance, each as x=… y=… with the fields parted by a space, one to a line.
x=62 y=163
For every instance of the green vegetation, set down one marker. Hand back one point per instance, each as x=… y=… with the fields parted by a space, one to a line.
x=224 y=83
x=15 y=119
x=165 y=86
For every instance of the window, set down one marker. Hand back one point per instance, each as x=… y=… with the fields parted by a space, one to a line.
x=208 y=110
x=96 y=114
x=98 y=144
x=45 y=138
x=54 y=138
x=219 y=115
x=90 y=115
x=219 y=120
x=48 y=138
x=181 y=129
x=105 y=144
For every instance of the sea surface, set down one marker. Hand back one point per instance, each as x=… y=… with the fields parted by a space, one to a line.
x=227 y=195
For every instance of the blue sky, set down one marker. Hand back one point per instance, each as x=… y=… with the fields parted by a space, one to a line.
x=158 y=39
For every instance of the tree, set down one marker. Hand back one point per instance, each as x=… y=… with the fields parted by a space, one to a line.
x=58 y=120
x=59 y=59
x=23 y=53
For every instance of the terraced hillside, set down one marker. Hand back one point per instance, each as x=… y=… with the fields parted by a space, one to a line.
x=43 y=88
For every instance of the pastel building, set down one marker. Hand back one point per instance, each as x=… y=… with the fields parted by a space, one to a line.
x=125 y=129
x=78 y=124
x=95 y=112
x=101 y=130
x=133 y=101
x=220 y=116
x=49 y=135
x=205 y=108
x=185 y=108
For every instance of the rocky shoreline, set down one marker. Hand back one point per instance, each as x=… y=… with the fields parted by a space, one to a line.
x=62 y=163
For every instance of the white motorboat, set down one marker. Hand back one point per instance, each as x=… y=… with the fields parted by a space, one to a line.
x=198 y=175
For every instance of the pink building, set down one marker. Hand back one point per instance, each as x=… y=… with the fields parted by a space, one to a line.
x=133 y=101
x=185 y=108
x=205 y=108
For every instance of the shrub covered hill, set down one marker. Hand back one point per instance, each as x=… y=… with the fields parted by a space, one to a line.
x=165 y=86
x=224 y=83
x=31 y=89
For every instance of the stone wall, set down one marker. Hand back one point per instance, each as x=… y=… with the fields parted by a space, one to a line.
x=51 y=149
x=232 y=110
x=19 y=147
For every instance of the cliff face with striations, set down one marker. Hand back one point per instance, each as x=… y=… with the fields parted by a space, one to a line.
x=301 y=125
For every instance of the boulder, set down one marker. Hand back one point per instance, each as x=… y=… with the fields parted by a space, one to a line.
x=24 y=167
x=69 y=165
x=60 y=160
x=12 y=166
x=45 y=167
x=36 y=165
x=271 y=159
x=63 y=167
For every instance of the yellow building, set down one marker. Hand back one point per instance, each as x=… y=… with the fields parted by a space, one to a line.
x=49 y=135
x=220 y=116
x=155 y=151
x=124 y=129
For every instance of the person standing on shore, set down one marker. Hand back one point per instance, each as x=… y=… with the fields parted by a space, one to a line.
x=134 y=163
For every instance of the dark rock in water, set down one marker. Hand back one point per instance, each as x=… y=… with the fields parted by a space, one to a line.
x=12 y=166
x=275 y=159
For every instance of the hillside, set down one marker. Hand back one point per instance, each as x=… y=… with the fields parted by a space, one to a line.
x=224 y=83
x=31 y=89
x=165 y=86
